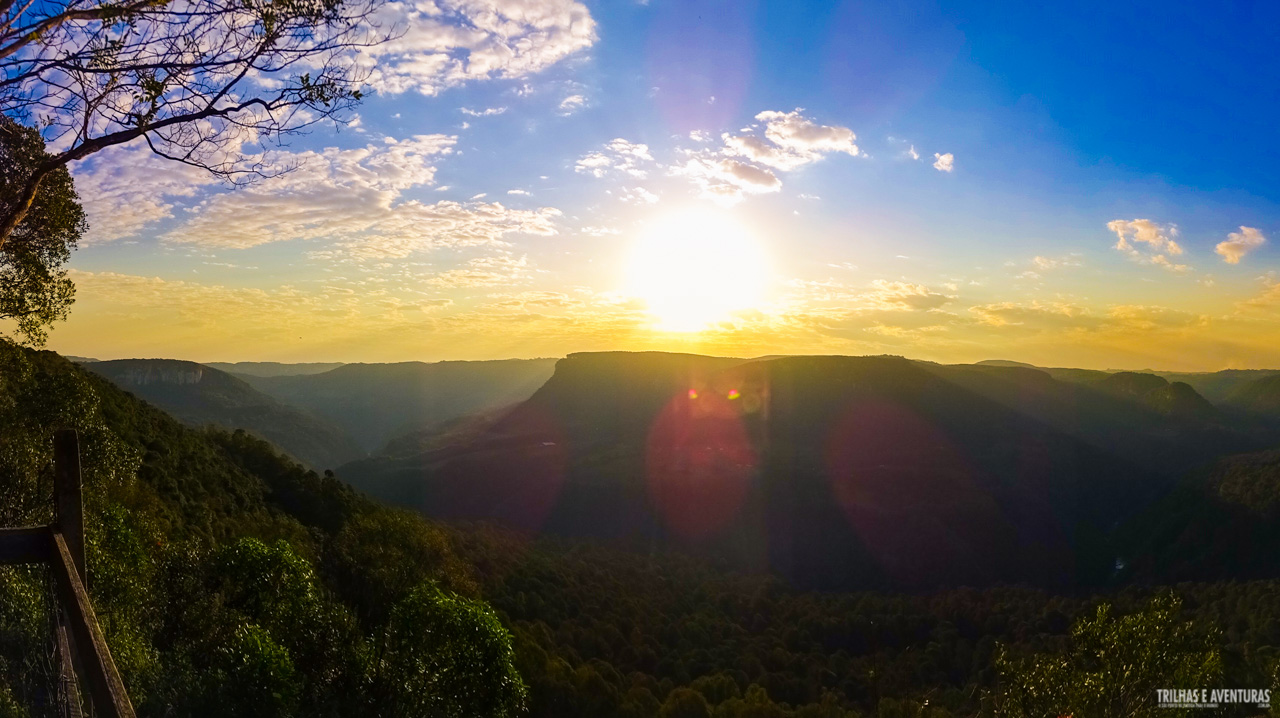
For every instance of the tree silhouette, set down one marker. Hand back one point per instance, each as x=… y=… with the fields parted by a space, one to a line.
x=201 y=81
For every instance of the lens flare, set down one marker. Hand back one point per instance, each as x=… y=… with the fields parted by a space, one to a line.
x=699 y=463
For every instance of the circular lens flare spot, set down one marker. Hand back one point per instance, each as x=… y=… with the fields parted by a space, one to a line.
x=699 y=464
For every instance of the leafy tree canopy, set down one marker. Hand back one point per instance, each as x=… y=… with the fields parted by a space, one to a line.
x=1114 y=666
x=34 y=288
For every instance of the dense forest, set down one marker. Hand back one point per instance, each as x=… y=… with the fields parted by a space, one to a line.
x=232 y=581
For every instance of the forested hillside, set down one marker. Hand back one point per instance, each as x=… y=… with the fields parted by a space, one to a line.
x=1260 y=396
x=376 y=403
x=229 y=580
x=232 y=582
x=608 y=633
x=200 y=395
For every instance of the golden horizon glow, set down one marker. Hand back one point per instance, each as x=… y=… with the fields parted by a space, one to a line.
x=695 y=268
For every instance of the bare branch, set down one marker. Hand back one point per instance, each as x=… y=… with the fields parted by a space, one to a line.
x=201 y=80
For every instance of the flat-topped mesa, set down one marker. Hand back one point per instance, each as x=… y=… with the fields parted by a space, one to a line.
x=166 y=373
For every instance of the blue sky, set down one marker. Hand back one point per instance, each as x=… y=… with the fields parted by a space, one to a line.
x=1107 y=196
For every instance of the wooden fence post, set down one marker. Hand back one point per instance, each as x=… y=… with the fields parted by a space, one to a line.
x=67 y=498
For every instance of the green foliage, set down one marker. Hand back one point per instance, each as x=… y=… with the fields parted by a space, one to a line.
x=26 y=657
x=610 y=633
x=202 y=555
x=267 y=581
x=124 y=574
x=9 y=706
x=232 y=581
x=1113 y=667
x=381 y=555
x=1252 y=482
x=685 y=703
x=445 y=655
x=254 y=677
x=35 y=291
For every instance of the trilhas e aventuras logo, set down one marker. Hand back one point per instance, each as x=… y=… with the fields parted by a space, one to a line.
x=1212 y=697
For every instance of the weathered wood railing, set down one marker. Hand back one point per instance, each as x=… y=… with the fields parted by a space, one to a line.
x=61 y=546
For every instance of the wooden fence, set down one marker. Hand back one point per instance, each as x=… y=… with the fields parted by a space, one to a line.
x=82 y=650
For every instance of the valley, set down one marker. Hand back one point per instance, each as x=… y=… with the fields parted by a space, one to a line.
x=804 y=536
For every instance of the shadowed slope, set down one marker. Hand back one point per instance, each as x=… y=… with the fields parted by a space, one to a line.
x=1260 y=396
x=377 y=402
x=834 y=471
x=199 y=395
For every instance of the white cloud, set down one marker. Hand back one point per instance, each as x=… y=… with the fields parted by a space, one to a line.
x=487 y=112
x=637 y=195
x=758 y=150
x=905 y=296
x=793 y=131
x=522 y=192
x=596 y=164
x=618 y=156
x=727 y=181
x=911 y=152
x=943 y=163
x=415 y=227
x=1045 y=264
x=793 y=141
x=1158 y=237
x=446 y=43
x=572 y=104
x=125 y=189
x=1033 y=314
x=497 y=270
x=1238 y=244
x=1158 y=240
x=745 y=163
x=352 y=198
x=1164 y=262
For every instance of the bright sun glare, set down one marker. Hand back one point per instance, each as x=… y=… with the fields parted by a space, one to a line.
x=696 y=268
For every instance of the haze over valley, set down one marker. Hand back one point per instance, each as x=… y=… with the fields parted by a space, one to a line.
x=836 y=472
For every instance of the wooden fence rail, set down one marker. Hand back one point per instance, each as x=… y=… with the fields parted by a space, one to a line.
x=61 y=546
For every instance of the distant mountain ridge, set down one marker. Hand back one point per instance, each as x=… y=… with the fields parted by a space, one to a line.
x=271 y=368
x=197 y=395
x=834 y=471
x=1260 y=396
x=376 y=403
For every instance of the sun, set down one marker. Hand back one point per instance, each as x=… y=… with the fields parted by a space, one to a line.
x=695 y=268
